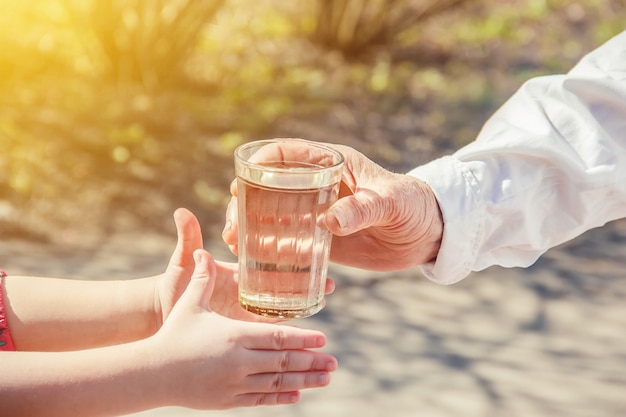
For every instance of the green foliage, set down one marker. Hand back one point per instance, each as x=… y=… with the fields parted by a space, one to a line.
x=138 y=41
x=357 y=27
x=111 y=108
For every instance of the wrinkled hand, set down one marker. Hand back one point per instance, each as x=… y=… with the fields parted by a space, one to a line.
x=172 y=283
x=382 y=221
x=213 y=362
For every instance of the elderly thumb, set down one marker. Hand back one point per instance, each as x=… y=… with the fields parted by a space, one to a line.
x=353 y=213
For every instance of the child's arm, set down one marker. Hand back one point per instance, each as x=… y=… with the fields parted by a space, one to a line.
x=197 y=359
x=48 y=314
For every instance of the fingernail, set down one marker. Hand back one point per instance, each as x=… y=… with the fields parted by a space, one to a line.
x=340 y=217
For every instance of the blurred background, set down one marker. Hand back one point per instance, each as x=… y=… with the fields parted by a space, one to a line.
x=113 y=113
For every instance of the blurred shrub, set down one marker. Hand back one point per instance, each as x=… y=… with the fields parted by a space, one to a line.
x=360 y=27
x=138 y=41
x=95 y=114
x=113 y=113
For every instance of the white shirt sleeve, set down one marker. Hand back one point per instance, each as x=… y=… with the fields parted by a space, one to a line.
x=549 y=165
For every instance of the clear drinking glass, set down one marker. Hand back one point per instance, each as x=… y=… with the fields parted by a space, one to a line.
x=284 y=187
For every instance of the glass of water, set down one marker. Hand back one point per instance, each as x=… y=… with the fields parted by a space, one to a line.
x=284 y=188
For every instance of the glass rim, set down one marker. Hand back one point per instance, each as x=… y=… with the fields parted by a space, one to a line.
x=262 y=142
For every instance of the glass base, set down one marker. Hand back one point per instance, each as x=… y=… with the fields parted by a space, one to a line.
x=281 y=313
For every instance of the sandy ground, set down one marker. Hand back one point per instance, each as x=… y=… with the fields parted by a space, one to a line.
x=549 y=340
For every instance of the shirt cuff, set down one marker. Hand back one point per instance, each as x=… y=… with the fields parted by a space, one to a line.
x=457 y=193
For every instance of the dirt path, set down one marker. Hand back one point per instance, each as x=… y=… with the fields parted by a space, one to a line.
x=549 y=340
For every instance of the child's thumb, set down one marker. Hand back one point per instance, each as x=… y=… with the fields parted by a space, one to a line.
x=200 y=287
x=189 y=238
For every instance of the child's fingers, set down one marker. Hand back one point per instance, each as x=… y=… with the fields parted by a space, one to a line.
x=256 y=399
x=276 y=337
x=189 y=237
x=330 y=286
x=229 y=234
x=287 y=381
x=202 y=283
x=293 y=361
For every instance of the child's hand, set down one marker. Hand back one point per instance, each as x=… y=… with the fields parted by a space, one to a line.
x=213 y=362
x=172 y=283
x=225 y=300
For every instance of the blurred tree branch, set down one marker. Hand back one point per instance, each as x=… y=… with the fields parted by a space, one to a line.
x=356 y=27
x=139 y=41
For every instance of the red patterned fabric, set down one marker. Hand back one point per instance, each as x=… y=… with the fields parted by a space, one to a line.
x=6 y=342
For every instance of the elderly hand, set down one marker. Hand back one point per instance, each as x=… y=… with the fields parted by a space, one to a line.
x=382 y=221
